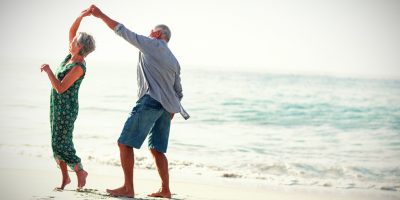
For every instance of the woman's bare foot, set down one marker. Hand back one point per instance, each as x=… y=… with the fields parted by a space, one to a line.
x=163 y=193
x=122 y=192
x=81 y=175
x=65 y=177
x=65 y=182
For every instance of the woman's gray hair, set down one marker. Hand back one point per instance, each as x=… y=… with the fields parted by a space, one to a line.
x=165 y=31
x=86 y=42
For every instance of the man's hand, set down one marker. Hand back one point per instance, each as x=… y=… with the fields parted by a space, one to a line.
x=99 y=14
x=95 y=11
x=172 y=115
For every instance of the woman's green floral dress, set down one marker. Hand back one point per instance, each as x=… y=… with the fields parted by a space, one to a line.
x=63 y=113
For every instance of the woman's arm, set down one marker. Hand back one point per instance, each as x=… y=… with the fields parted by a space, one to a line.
x=77 y=22
x=61 y=86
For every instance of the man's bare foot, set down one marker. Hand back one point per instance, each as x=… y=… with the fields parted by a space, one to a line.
x=121 y=192
x=161 y=193
x=118 y=190
x=64 y=183
x=82 y=174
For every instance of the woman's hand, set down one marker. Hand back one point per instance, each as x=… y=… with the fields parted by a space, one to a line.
x=86 y=13
x=45 y=67
x=61 y=86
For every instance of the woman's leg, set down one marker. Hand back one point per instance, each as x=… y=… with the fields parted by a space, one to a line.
x=81 y=175
x=67 y=153
x=65 y=177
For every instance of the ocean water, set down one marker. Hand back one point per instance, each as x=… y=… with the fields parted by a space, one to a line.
x=283 y=129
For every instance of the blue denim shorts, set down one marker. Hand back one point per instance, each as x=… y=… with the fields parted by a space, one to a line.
x=148 y=117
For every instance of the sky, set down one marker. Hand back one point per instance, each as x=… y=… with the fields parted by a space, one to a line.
x=338 y=37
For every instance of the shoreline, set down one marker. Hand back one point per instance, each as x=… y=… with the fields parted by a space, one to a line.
x=34 y=178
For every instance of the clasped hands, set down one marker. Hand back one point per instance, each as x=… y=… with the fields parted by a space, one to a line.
x=92 y=10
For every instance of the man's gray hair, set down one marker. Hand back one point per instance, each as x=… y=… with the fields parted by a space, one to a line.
x=165 y=31
x=86 y=42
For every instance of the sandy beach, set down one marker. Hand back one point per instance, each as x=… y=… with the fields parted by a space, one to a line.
x=27 y=177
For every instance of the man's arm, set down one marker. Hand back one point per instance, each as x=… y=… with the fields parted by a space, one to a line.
x=99 y=14
x=141 y=42
x=178 y=89
x=178 y=85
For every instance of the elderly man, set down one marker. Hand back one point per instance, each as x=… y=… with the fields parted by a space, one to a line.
x=160 y=93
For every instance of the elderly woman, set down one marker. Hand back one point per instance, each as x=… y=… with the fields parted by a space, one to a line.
x=64 y=101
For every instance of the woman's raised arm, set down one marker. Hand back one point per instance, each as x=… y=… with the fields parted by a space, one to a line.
x=75 y=26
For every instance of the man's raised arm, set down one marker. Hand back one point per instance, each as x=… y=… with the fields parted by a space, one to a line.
x=99 y=14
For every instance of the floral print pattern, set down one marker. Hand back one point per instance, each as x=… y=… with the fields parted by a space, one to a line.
x=63 y=113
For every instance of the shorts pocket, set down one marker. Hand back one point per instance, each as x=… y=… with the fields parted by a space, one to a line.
x=152 y=103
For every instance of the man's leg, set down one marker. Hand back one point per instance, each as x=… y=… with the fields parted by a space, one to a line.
x=127 y=163
x=162 y=168
x=133 y=134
